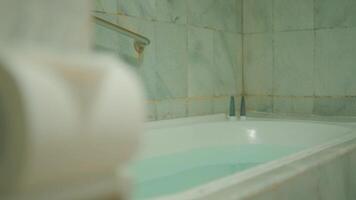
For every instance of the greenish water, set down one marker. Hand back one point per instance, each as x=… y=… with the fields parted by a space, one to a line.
x=178 y=172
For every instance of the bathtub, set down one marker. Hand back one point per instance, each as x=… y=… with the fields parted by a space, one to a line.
x=212 y=158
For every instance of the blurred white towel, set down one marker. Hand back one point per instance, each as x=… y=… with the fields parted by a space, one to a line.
x=67 y=123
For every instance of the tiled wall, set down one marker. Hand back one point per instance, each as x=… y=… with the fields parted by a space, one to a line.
x=194 y=61
x=300 y=56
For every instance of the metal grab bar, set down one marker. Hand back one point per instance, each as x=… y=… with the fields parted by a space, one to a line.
x=139 y=41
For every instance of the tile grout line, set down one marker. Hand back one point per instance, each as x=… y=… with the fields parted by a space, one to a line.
x=307 y=29
x=243 y=86
x=314 y=57
x=273 y=57
x=187 y=110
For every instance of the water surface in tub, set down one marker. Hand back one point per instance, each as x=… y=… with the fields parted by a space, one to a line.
x=177 y=172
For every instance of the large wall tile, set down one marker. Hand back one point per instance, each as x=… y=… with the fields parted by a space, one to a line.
x=106 y=39
x=293 y=15
x=98 y=7
x=151 y=111
x=108 y=6
x=201 y=72
x=149 y=79
x=138 y=8
x=216 y=14
x=258 y=63
x=174 y=11
x=171 y=52
x=227 y=63
x=335 y=62
x=147 y=67
x=335 y=106
x=171 y=108
x=292 y=105
x=198 y=107
x=259 y=103
x=257 y=16
x=293 y=70
x=125 y=45
x=332 y=13
x=221 y=105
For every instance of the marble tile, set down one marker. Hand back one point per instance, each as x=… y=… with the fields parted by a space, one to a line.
x=198 y=107
x=258 y=63
x=201 y=72
x=221 y=105
x=107 y=6
x=105 y=39
x=171 y=52
x=144 y=9
x=335 y=106
x=147 y=67
x=171 y=108
x=332 y=184
x=293 y=15
x=331 y=13
x=98 y=6
x=293 y=69
x=259 y=104
x=215 y=14
x=126 y=43
x=173 y=11
x=151 y=111
x=239 y=64
x=257 y=16
x=114 y=43
x=149 y=79
x=335 y=62
x=293 y=105
x=127 y=51
x=227 y=63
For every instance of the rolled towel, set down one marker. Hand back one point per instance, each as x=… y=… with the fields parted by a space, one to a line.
x=67 y=124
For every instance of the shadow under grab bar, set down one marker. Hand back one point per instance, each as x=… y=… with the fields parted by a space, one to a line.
x=139 y=41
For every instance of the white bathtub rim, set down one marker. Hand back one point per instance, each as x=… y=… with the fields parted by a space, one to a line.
x=214 y=187
x=222 y=117
x=309 y=117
